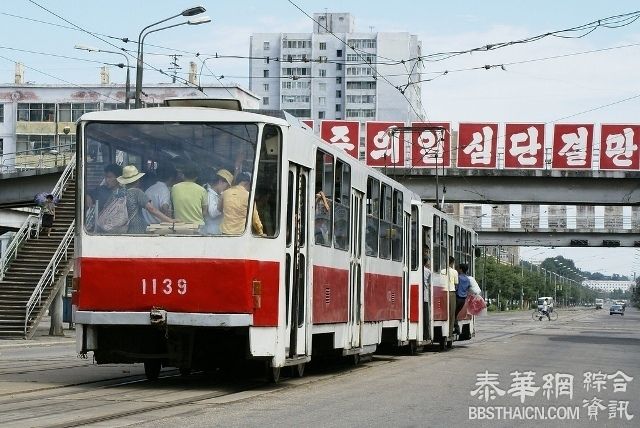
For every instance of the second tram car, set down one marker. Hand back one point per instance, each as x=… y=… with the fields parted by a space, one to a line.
x=333 y=264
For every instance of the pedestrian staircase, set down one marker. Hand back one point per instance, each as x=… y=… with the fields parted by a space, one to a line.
x=35 y=266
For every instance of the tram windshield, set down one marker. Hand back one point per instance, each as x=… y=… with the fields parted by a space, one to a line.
x=169 y=178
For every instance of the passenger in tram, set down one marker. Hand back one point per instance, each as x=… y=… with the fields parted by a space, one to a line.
x=452 y=282
x=159 y=193
x=137 y=200
x=322 y=219
x=464 y=282
x=265 y=207
x=235 y=206
x=104 y=192
x=216 y=185
x=190 y=203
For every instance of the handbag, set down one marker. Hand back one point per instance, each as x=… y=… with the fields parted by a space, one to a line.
x=114 y=218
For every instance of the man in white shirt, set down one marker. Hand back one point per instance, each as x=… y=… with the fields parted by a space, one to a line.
x=452 y=281
x=159 y=193
x=222 y=181
x=426 y=294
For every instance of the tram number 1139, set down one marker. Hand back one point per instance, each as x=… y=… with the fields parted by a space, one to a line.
x=164 y=286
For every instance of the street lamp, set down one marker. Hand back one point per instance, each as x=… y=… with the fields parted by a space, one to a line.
x=127 y=89
x=139 y=66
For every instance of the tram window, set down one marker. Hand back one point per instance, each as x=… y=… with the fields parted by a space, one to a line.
x=457 y=245
x=373 y=221
x=437 y=248
x=342 y=206
x=290 y=187
x=444 y=244
x=303 y=209
x=144 y=151
x=397 y=229
x=323 y=198
x=386 y=209
x=267 y=199
x=414 y=238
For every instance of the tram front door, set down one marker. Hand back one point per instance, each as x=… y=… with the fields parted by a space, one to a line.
x=297 y=277
x=355 y=270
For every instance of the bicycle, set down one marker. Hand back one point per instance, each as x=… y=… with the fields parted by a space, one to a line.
x=538 y=315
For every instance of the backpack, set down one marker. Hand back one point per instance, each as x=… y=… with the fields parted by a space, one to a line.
x=114 y=218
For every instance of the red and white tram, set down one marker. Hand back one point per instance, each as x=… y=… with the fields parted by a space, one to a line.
x=344 y=280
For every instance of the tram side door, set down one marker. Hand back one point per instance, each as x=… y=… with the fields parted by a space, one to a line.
x=355 y=270
x=297 y=259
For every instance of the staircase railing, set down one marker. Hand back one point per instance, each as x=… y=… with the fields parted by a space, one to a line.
x=29 y=228
x=49 y=276
x=64 y=178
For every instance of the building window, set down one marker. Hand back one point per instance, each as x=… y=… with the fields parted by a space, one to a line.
x=296 y=85
x=361 y=85
x=323 y=46
x=322 y=101
x=36 y=143
x=265 y=101
x=322 y=58
x=265 y=87
x=296 y=71
x=36 y=112
x=320 y=115
x=71 y=112
x=339 y=53
x=322 y=72
x=338 y=94
x=295 y=98
x=339 y=80
x=301 y=112
x=296 y=44
x=1 y=113
x=113 y=106
x=322 y=87
x=338 y=107
x=338 y=66
x=265 y=73
x=362 y=43
x=265 y=46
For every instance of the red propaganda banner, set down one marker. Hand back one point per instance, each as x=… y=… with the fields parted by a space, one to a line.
x=572 y=146
x=477 y=145
x=343 y=134
x=619 y=147
x=309 y=123
x=384 y=148
x=431 y=147
x=524 y=145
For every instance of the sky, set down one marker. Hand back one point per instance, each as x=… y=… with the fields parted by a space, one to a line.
x=534 y=91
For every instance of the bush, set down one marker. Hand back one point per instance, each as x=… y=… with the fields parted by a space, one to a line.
x=492 y=308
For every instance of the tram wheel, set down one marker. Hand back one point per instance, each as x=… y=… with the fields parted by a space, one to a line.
x=355 y=359
x=298 y=370
x=442 y=345
x=152 y=369
x=273 y=373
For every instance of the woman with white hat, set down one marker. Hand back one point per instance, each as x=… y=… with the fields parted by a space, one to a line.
x=137 y=200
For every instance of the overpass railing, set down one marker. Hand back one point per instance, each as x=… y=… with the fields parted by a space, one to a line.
x=41 y=158
x=569 y=222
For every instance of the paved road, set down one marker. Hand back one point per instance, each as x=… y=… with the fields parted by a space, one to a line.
x=47 y=386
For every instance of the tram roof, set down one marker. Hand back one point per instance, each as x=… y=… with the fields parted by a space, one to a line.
x=190 y=114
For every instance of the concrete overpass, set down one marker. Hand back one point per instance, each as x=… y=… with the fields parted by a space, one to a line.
x=553 y=187
x=17 y=188
x=523 y=186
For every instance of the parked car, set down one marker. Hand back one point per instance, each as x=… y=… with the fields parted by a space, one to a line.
x=616 y=309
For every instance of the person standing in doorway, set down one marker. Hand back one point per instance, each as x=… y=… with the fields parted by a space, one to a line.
x=452 y=282
x=426 y=295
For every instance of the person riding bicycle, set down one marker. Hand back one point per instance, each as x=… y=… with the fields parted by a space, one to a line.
x=546 y=309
